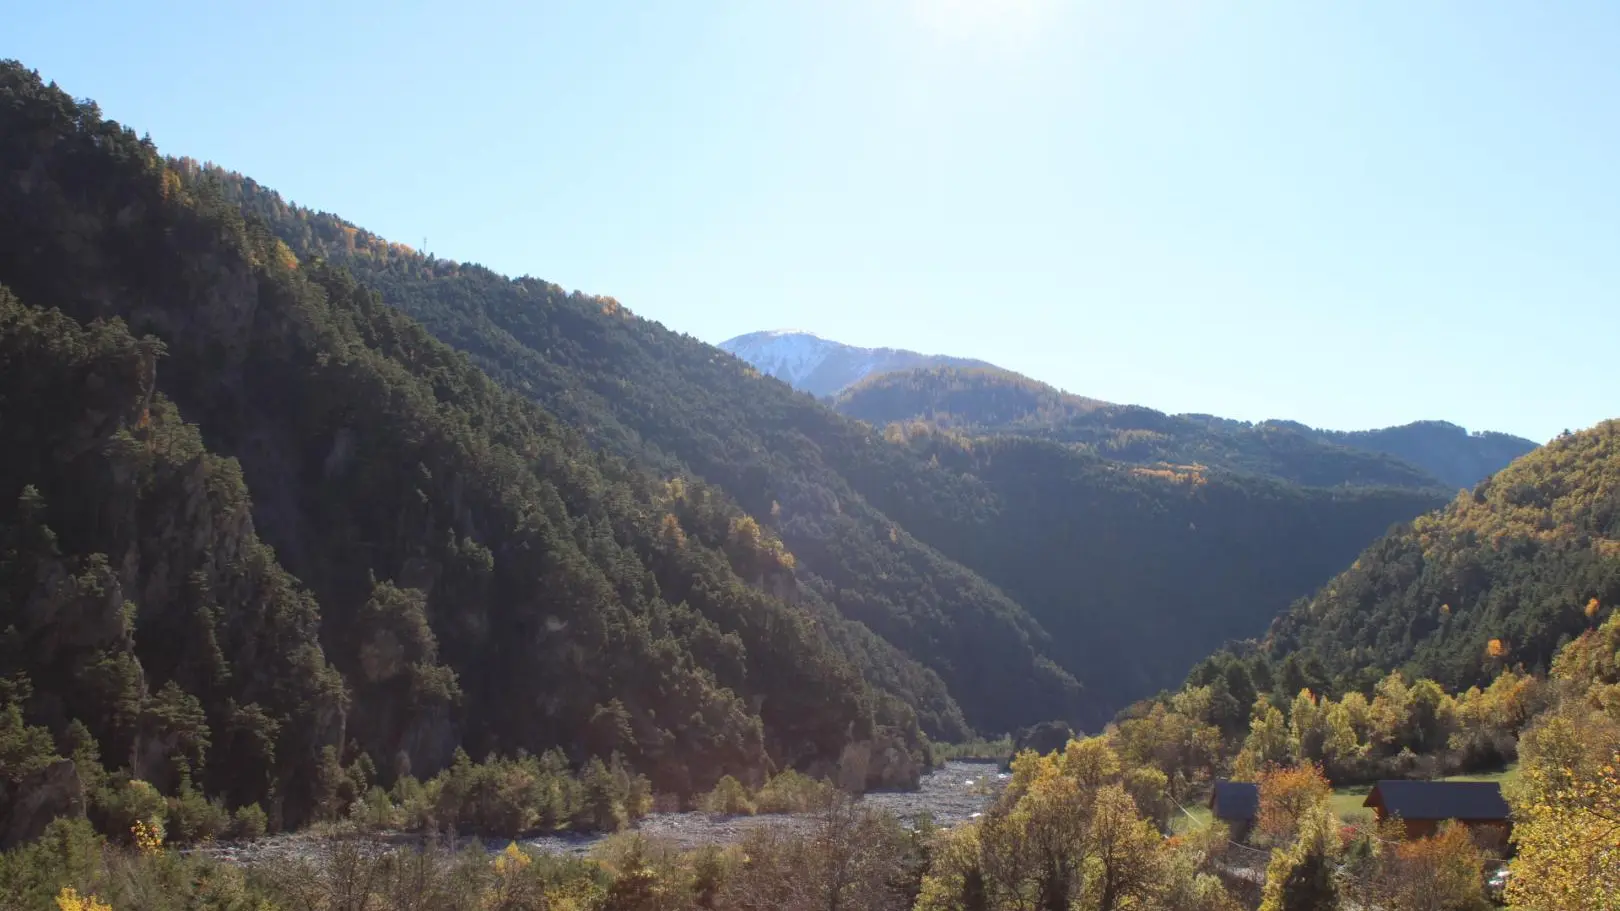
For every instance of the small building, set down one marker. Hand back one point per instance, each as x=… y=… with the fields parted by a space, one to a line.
x=1235 y=803
x=1423 y=805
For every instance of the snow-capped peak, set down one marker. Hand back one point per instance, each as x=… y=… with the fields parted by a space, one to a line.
x=818 y=366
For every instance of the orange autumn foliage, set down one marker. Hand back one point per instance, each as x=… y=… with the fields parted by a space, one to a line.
x=1287 y=794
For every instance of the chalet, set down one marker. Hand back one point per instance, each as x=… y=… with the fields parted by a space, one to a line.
x=1235 y=803
x=1423 y=805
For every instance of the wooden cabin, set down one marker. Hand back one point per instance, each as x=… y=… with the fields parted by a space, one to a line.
x=1423 y=805
x=1235 y=803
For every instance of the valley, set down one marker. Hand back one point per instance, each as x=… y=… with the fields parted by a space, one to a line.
x=338 y=575
x=1023 y=609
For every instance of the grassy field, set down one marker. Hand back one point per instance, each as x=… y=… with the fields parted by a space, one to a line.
x=1346 y=803
x=1198 y=819
x=1511 y=773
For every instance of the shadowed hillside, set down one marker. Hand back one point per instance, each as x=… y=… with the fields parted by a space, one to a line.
x=453 y=567
x=990 y=401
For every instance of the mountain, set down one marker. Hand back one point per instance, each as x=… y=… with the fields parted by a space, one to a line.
x=137 y=594
x=495 y=515
x=1026 y=607
x=1136 y=571
x=254 y=523
x=1458 y=458
x=1502 y=576
x=687 y=410
x=820 y=367
x=992 y=401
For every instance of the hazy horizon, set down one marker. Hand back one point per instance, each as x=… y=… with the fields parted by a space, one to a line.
x=1352 y=218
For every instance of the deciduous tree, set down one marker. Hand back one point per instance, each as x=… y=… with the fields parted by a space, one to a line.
x=1567 y=816
x=1288 y=796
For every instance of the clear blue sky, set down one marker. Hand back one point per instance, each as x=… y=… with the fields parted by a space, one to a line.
x=1352 y=214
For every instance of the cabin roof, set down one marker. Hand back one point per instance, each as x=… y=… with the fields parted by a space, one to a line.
x=1466 y=800
x=1238 y=800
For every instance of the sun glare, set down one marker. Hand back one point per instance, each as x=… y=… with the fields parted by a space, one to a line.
x=981 y=18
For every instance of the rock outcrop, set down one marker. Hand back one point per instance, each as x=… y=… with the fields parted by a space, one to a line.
x=48 y=793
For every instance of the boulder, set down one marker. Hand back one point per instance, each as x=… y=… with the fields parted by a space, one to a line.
x=56 y=790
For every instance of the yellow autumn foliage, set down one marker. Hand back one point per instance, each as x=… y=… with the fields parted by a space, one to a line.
x=511 y=861
x=148 y=835
x=284 y=256
x=1567 y=817
x=69 y=899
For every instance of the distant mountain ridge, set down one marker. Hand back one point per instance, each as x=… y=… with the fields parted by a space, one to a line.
x=991 y=401
x=822 y=367
x=1451 y=453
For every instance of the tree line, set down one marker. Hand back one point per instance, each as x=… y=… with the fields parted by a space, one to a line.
x=1080 y=827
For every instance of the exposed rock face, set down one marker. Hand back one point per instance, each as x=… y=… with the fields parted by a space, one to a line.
x=53 y=791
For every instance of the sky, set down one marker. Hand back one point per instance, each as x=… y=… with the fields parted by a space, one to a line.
x=1349 y=214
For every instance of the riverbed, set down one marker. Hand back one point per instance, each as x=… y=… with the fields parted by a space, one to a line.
x=951 y=794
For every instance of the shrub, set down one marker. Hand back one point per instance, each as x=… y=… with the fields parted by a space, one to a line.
x=69 y=899
x=1000 y=750
x=792 y=792
x=191 y=817
x=634 y=791
x=416 y=802
x=712 y=866
x=729 y=797
x=375 y=810
x=67 y=854
x=510 y=800
x=602 y=807
x=122 y=802
x=248 y=823
x=510 y=797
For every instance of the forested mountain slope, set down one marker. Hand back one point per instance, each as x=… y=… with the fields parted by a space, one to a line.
x=452 y=565
x=1503 y=576
x=801 y=470
x=1138 y=572
x=136 y=595
x=794 y=578
x=863 y=512
x=1426 y=454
